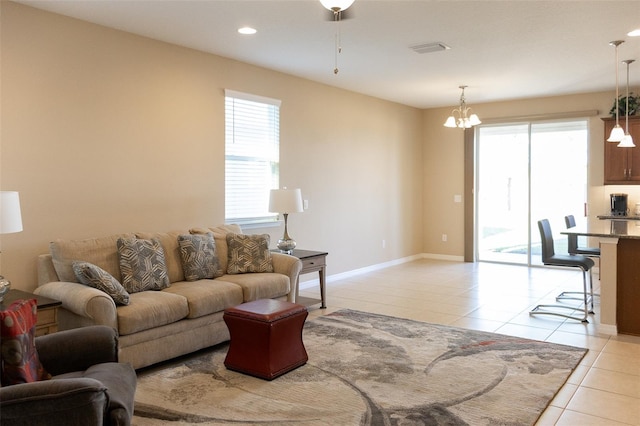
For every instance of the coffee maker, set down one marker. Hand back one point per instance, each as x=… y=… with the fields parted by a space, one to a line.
x=618 y=204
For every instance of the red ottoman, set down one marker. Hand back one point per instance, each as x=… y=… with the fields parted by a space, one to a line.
x=266 y=338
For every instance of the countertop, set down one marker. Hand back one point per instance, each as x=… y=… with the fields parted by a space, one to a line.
x=609 y=217
x=613 y=228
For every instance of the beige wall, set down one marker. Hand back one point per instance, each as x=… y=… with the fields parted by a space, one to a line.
x=104 y=132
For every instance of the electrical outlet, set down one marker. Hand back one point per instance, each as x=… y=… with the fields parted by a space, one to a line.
x=305 y=204
x=444 y=237
x=384 y=243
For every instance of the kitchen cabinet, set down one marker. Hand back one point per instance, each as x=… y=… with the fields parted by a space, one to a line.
x=628 y=290
x=622 y=165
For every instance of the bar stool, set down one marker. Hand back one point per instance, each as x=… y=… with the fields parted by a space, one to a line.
x=550 y=258
x=570 y=222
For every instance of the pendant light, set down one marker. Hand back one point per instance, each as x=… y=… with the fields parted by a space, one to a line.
x=616 y=133
x=627 y=140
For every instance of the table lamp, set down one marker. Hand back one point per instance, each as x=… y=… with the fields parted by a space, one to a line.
x=285 y=201
x=10 y=222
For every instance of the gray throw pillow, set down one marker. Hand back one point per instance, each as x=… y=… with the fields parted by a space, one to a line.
x=142 y=265
x=96 y=277
x=248 y=253
x=199 y=257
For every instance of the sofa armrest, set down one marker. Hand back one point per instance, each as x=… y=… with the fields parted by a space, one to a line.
x=289 y=266
x=73 y=401
x=77 y=349
x=84 y=301
x=46 y=271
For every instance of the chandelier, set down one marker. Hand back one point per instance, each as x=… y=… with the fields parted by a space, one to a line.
x=460 y=116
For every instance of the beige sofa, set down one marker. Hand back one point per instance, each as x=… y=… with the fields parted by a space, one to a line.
x=159 y=325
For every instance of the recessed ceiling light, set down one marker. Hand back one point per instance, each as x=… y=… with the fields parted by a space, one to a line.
x=634 y=33
x=247 y=30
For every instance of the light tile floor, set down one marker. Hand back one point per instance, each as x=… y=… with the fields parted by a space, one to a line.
x=604 y=389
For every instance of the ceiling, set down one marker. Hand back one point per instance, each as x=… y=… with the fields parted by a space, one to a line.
x=502 y=50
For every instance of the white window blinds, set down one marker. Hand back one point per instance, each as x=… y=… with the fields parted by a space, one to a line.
x=252 y=153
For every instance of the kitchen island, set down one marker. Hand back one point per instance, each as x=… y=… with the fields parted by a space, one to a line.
x=619 y=238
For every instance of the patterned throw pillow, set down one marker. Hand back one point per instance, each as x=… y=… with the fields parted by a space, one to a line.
x=20 y=363
x=142 y=265
x=199 y=257
x=248 y=253
x=96 y=277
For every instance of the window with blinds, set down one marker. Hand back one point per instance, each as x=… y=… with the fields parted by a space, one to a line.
x=252 y=155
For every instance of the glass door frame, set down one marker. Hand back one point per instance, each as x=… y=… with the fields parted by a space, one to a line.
x=471 y=180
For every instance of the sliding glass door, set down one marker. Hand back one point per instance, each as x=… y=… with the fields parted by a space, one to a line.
x=527 y=172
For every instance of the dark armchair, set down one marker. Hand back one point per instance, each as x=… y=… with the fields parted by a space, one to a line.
x=89 y=386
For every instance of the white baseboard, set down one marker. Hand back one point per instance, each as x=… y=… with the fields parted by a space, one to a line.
x=443 y=257
x=608 y=329
x=348 y=274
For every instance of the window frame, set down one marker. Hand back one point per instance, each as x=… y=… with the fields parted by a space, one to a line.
x=267 y=162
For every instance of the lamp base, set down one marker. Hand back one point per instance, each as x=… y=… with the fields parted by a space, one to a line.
x=286 y=245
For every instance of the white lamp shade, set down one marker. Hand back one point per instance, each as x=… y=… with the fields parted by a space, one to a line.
x=451 y=122
x=626 y=142
x=337 y=5
x=10 y=215
x=474 y=120
x=285 y=201
x=617 y=134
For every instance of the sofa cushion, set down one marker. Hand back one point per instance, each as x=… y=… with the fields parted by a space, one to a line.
x=96 y=277
x=248 y=253
x=207 y=296
x=260 y=285
x=169 y=241
x=150 y=309
x=220 y=237
x=102 y=252
x=199 y=256
x=142 y=265
x=20 y=362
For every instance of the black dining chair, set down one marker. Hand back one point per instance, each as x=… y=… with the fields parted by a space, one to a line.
x=550 y=258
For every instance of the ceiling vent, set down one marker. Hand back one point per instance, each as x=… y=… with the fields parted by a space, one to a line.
x=429 y=47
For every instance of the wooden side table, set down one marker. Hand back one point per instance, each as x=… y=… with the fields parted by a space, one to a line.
x=312 y=261
x=47 y=310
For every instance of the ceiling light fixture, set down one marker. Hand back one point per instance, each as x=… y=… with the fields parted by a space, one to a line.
x=634 y=33
x=627 y=140
x=463 y=121
x=247 y=30
x=337 y=7
x=616 y=133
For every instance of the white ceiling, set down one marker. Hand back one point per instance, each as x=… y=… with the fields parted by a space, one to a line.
x=501 y=49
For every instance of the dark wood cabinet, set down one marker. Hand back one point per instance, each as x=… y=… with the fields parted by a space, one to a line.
x=628 y=287
x=622 y=165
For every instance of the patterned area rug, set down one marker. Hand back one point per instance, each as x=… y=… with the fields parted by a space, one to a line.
x=367 y=369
